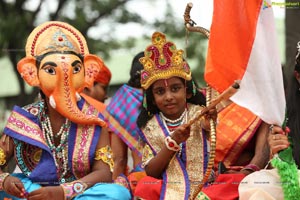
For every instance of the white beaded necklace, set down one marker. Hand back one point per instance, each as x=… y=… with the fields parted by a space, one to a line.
x=61 y=151
x=181 y=120
x=175 y=120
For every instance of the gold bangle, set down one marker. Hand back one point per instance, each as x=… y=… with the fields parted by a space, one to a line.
x=2 y=157
x=3 y=176
x=105 y=154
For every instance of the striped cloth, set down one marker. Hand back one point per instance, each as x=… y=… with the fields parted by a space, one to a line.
x=121 y=115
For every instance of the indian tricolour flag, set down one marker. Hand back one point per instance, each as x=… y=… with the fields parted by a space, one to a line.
x=243 y=46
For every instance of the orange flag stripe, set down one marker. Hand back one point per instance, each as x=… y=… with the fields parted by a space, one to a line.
x=232 y=35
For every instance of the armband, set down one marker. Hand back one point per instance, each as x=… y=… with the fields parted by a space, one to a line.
x=105 y=154
x=74 y=188
x=3 y=176
x=2 y=157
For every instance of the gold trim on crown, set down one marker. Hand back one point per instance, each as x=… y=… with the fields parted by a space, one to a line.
x=55 y=36
x=162 y=61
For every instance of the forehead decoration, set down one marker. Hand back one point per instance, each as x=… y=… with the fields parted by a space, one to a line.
x=162 y=61
x=55 y=36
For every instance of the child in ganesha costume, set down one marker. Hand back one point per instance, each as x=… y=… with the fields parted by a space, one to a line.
x=60 y=142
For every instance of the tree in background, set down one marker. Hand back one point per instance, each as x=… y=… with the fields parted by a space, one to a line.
x=19 y=17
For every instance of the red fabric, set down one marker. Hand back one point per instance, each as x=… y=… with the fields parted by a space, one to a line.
x=104 y=75
x=148 y=188
x=225 y=187
x=134 y=179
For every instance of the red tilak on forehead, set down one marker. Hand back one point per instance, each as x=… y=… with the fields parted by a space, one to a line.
x=63 y=57
x=166 y=82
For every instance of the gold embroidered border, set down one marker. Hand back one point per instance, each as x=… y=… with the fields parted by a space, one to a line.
x=24 y=126
x=83 y=141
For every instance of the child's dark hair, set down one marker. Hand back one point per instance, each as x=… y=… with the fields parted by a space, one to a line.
x=293 y=112
x=146 y=114
x=135 y=71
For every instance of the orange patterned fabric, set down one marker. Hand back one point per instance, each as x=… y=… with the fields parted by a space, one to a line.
x=97 y=104
x=236 y=127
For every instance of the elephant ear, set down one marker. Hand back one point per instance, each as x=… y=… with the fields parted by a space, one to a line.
x=28 y=71
x=92 y=65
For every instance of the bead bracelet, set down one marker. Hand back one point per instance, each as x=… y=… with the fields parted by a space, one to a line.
x=74 y=188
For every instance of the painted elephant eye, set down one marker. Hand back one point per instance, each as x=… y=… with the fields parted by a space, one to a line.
x=76 y=69
x=50 y=70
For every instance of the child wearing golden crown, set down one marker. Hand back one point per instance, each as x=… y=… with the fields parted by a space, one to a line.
x=60 y=142
x=176 y=154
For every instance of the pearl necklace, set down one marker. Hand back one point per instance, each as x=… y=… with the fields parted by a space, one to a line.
x=175 y=120
x=178 y=123
x=60 y=152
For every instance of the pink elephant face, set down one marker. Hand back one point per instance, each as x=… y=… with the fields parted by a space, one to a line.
x=61 y=72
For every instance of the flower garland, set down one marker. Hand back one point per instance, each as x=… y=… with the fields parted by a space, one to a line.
x=288 y=171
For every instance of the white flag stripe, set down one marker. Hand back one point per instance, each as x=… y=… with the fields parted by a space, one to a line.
x=262 y=89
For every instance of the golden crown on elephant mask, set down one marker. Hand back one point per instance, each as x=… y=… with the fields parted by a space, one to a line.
x=162 y=61
x=63 y=70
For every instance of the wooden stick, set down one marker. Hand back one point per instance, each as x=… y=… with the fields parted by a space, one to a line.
x=224 y=96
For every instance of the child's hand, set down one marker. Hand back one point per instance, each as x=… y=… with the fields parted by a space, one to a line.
x=212 y=114
x=278 y=139
x=181 y=134
x=13 y=186
x=47 y=193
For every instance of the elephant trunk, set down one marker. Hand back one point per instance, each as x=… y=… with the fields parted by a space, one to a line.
x=67 y=107
x=64 y=100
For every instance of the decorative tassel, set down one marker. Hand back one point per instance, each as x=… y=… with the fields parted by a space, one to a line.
x=145 y=101
x=194 y=88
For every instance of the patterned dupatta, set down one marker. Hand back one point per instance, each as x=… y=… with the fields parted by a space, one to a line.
x=186 y=170
x=121 y=114
x=32 y=153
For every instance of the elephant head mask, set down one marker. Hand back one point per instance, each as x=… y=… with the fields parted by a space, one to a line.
x=58 y=61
